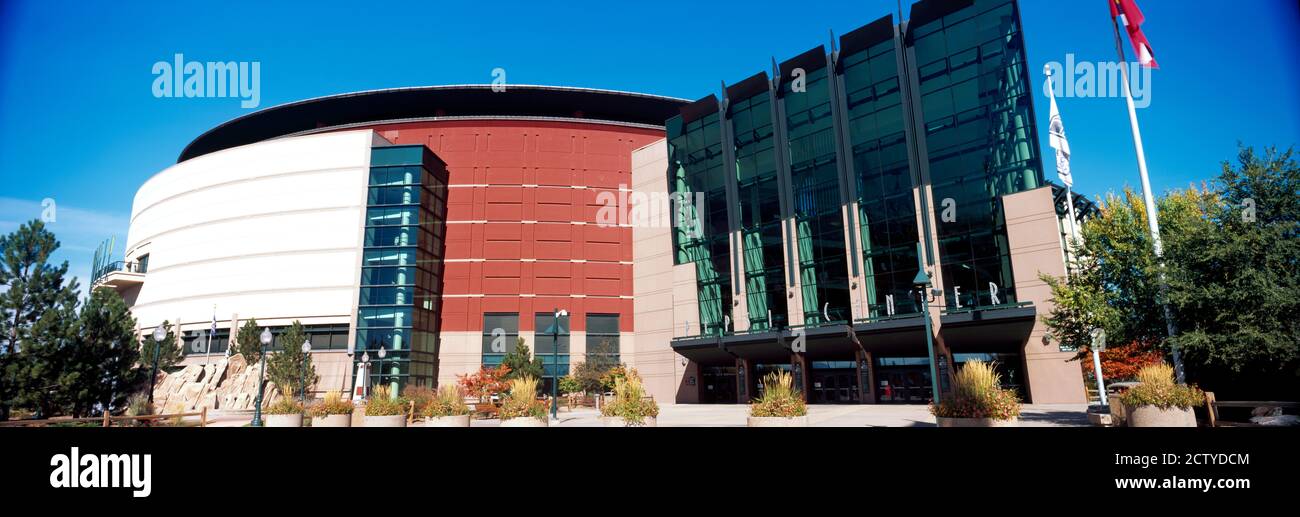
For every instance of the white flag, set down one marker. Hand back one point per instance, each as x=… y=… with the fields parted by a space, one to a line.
x=1056 y=130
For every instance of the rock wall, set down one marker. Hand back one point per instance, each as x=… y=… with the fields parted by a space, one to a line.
x=227 y=383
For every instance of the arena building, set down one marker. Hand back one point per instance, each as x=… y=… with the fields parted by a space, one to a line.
x=442 y=223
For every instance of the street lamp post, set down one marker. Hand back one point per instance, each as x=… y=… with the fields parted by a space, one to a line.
x=922 y=283
x=261 y=381
x=159 y=334
x=306 y=349
x=1098 y=346
x=555 y=363
x=363 y=373
x=383 y=352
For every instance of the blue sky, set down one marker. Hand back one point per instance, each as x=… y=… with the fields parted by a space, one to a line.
x=79 y=124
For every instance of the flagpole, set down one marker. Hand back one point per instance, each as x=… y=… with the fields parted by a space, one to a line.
x=1152 y=223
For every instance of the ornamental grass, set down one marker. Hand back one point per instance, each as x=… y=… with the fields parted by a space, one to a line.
x=779 y=399
x=978 y=393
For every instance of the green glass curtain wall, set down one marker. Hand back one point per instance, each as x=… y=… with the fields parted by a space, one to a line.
x=823 y=269
x=976 y=96
x=760 y=211
x=696 y=166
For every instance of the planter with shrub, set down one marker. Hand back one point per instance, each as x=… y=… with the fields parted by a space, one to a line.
x=521 y=407
x=630 y=407
x=285 y=412
x=780 y=405
x=332 y=411
x=978 y=400
x=447 y=409
x=1158 y=401
x=384 y=410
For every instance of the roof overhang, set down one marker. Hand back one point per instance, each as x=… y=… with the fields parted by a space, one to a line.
x=437 y=102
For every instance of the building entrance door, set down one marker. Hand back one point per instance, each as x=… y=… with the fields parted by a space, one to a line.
x=718 y=385
x=903 y=380
x=833 y=386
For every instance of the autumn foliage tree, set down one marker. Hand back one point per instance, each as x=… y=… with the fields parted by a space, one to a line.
x=1119 y=363
x=485 y=382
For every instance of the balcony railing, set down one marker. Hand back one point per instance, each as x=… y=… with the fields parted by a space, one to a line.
x=119 y=266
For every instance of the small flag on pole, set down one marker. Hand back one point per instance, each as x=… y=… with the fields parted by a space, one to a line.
x=1128 y=15
x=1056 y=132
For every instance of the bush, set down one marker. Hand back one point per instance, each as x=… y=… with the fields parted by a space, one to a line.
x=629 y=401
x=449 y=401
x=382 y=403
x=284 y=406
x=780 y=398
x=1158 y=389
x=421 y=395
x=485 y=382
x=522 y=400
x=569 y=385
x=332 y=404
x=139 y=405
x=978 y=393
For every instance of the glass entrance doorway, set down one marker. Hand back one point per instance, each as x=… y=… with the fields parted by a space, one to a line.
x=718 y=385
x=904 y=380
x=833 y=382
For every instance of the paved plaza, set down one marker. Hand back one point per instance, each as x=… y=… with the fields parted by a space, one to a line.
x=734 y=415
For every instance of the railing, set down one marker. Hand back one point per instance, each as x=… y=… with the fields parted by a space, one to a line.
x=963 y=310
x=121 y=265
x=107 y=420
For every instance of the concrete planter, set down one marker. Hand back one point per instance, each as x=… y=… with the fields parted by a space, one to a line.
x=1101 y=419
x=778 y=421
x=343 y=420
x=293 y=420
x=977 y=422
x=447 y=421
x=1152 y=416
x=386 y=421
x=618 y=421
x=525 y=422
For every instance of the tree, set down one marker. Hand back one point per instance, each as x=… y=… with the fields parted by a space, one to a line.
x=485 y=382
x=1234 y=278
x=32 y=288
x=1121 y=363
x=37 y=371
x=248 y=341
x=103 y=366
x=522 y=363
x=1231 y=249
x=1115 y=277
x=591 y=372
x=169 y=351
x=287 y=367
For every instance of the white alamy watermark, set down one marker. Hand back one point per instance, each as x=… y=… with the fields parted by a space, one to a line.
x=681 y=210
x=498 y=80
x=179 y=78
x=76 y=470
x=1103 y=79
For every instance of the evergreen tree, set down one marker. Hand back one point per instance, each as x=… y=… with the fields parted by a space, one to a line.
x=32 y=288
x=1234 y=280
x=287 y=366
x=102 y=369
x=522 y=363
x=170 y=352
x=249 y=341
x=38 y=369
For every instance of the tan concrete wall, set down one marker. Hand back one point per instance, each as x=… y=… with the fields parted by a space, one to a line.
x=1033 y=233
x=461 y=353
x=662 y=299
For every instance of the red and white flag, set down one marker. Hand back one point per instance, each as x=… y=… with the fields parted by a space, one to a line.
x=1126 y=12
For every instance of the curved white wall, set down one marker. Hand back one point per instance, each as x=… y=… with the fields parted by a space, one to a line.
x=270 y=230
